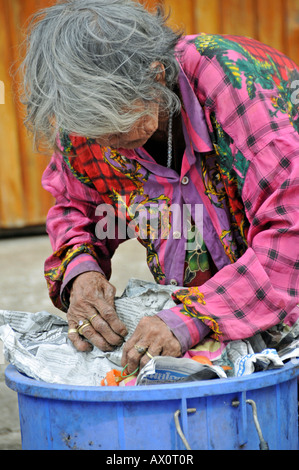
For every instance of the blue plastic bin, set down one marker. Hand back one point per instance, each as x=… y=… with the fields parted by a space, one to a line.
x=212 y=414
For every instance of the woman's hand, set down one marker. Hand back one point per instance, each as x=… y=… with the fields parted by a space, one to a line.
x=154 y=336
x=92 y=302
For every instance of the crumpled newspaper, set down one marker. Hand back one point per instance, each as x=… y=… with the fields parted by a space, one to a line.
x=162 y=369
x=37 y=344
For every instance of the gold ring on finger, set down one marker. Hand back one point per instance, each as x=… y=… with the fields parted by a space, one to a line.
x=149 y=355
x=82 y=325
x=82 y=328
x=91 y=318
x=140 y=349
x=72 y=330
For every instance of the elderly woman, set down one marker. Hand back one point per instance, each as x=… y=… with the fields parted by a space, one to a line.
x=139 y=118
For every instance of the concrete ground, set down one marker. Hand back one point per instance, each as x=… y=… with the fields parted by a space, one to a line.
x=22 y=288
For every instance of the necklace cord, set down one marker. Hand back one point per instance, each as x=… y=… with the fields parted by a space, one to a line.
x=169 y=149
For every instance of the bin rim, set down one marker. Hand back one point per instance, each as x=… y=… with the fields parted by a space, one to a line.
x=27 y=386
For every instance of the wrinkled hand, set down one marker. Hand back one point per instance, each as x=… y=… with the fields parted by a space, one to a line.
x=155 y=336
x=93 y=296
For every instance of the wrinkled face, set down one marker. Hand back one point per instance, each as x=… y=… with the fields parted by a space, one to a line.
x=143 y=129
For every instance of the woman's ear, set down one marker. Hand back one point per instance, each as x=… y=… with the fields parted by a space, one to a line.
x=160 y=72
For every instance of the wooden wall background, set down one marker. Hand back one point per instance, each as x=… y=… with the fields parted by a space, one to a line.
x=23 y=202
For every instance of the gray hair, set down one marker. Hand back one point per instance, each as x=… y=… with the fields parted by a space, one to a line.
x=88 y=64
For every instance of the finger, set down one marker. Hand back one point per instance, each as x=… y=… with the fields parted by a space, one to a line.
x=151 y=352
x=108 y=313
x=79 y=343
x=127 y=347
x=96 y=339
x=132 y=358
x=103 y=328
